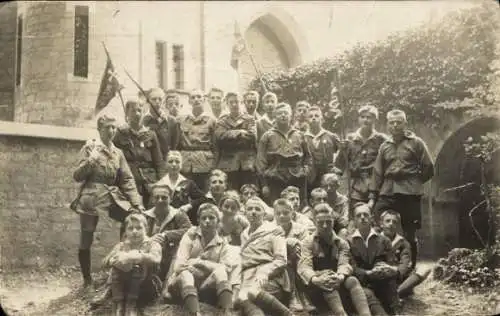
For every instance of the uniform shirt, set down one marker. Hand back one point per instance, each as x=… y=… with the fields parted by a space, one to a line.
x=340 y=207
x=232 y=227
x=366 y=253
x=283 y=156
x=294 y=237
x=264 y=123
x=167 y=131
x=146 y=247
x=197 y=143
x=142 y=152
x=110 y=170
x=361 y=154
x=172 y=227
x=318 y=255
x=236 y=138
x=215 y=251
x=402 y=255
x=301 y=126
x=402 y=168
x=185 y=191
x=322 y=146
x=264 y=249
x=304 y=221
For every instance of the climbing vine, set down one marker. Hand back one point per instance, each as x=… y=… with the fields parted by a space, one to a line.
x=427 y=71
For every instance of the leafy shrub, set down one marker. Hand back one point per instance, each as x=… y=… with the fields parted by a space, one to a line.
x=439 y=64
x=467 y=269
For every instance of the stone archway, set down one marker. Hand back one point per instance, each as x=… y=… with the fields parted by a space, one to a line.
x=451 y=207
x=272 y=45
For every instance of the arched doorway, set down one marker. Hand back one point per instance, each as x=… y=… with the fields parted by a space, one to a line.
x=455 y=170
x=272 y=47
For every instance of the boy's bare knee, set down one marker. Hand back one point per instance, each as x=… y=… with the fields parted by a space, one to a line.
x=351 y=282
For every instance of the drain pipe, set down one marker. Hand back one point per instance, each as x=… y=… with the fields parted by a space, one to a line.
x=202 y=46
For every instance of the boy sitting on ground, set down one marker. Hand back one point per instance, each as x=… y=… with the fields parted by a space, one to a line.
x=130 y=261
x=408 y=279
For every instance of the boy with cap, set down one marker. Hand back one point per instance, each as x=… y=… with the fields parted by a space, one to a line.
x=357 y=155
x=400 y=170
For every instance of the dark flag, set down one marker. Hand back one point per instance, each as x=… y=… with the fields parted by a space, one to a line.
x=109 y=85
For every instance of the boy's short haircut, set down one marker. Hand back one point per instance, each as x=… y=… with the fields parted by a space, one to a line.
x=249 y=186
x=215 y=89
x=211 y=208
x=302 y=103
x=358 y=205
x=322 y=208
x=283 y=202
x=390 y=212
x=270 y=95
x=288 y=190
x=330 y=175
x=231 y=94
x=136 y=218
x=251 y=92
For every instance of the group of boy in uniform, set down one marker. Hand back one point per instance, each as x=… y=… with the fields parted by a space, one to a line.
x=240 y=208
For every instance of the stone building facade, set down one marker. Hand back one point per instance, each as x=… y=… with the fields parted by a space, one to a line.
x=51 y=63
x=54 y=56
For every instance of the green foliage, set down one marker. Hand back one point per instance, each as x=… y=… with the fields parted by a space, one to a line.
x=426 y=72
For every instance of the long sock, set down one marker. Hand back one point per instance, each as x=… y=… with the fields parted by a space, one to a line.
x=376 y=308
x=271 y=303
x=411 y=282
x=334 y=303
x=225 y=299
x=359 y=301
x=414 y=253
x=250 y=309
x=84 y=259
x=191 y=303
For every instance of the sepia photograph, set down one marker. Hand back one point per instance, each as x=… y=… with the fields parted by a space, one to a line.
x=253 y=158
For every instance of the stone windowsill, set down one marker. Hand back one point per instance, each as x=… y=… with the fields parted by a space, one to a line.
x=72 y=78
x=46 y=131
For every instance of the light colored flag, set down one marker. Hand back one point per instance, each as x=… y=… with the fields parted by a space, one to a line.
x=238 y=46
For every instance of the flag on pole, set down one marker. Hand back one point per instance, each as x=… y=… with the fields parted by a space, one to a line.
x=109 y=85
x=238 y=46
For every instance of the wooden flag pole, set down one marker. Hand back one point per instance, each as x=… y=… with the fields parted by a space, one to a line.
x=119 y=90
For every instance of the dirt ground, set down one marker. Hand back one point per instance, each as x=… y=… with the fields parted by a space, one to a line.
x=57 y=293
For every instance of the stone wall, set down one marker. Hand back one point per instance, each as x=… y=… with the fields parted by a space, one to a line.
x=8 y=27
x=37 y=229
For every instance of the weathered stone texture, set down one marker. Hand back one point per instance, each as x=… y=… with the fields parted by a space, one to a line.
x=37 y=229
x=8 y=27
